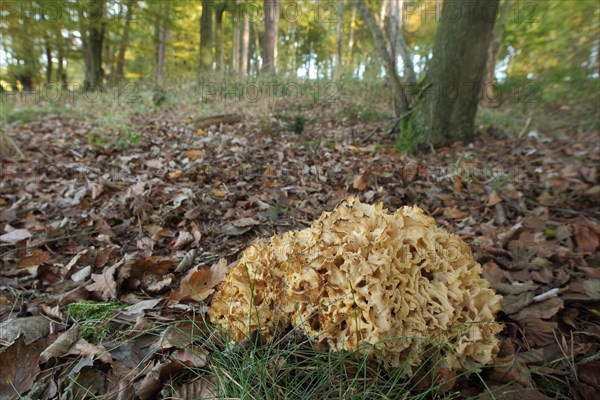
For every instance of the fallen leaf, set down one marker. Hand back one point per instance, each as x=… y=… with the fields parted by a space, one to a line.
x=494 y=199
x=140 y=307
x=455 y=213
x=198 y=284
x=105 y=282
x=187 y=261
x=360 y=180
x=544 y=309
x=19 y=369
x=34 y=259
x=183 y=239
x=537 y=331
x=243 y=222
x=588 y=373
x=514 y=303
x=15 y=236
x=197 y=389
x=592 y=288
x=587 y=239
x=31 y=328
x=61 y=345
x=89 y=351
x=194 y=154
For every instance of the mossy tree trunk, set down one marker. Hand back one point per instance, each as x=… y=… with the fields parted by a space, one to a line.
x=446 y=112
x=206 y=39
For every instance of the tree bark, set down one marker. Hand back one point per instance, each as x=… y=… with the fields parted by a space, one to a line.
x=93 y=45
x=220 y=29
x=48 y=61
x=402 y=47
x=235 y=56
x=271 y=13
x=447 y=112
x=245 y=44
x=340 y=42
x=257 y=66
x=161 y=45
x=487 y=91
x=124 y=42
x=401 y=105
x=351 y=39
x=60 y=74
x=382 y=13
x=206 y=41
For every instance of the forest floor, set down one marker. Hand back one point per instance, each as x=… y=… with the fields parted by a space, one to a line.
x=85 y=216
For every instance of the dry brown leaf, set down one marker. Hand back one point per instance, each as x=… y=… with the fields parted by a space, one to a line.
x=537 y=331
x=35 y=258
x=105 y=282
x=31 y=328
x=194 y=154
x=455 y=213
x=592 y=288
x=544 y=309
x=510 y=369
x=198 y=389
x=514 y=303
x=183 y=239
x=182 y=334
x=494 y=199
x=360 y=180
x=588 y=239
x=87 y=350
x=150 y=386
x=588 y=373
x=61 y=345
x=493 y=273
x=19 y=370
x=198 y=284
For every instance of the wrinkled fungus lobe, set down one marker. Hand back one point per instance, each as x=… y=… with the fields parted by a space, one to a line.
x=390 y=285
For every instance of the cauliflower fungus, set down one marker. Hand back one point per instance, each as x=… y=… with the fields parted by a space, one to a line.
x=361 y=278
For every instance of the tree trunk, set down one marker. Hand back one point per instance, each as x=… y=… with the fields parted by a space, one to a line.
x=340 y=42
x=257 y=66
x=235 y=48
x=400 y=101
x=161 y=45
x=447 y=112
x=60 y=75
x=382 y=13
x=245 y=45
x=402 y=47
x=48 y=61
x=271 y=13
x=487 y=91
x=351 y=39
x=220 y=29
x=206 y=35
x=124 y=42
x=93 y=46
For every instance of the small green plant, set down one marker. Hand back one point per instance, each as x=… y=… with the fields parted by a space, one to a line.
x=94 y=318
x=94 y=139
x=297 y=124
x=129 y=140
x=406 y=142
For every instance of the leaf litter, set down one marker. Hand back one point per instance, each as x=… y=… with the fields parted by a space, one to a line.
x=155 y=227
